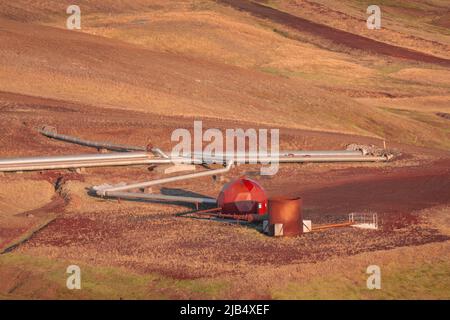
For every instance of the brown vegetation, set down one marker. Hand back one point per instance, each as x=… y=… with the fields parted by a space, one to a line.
x=138 y=70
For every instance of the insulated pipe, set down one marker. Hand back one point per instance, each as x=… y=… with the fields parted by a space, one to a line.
x=30 y=164
x=144 y=158
x=71 y=165
x=83 y=164
x=67 y=158
x=146 y=196
x=329 y=159
x=83 y=160
x=98 y=145
x=299 y=159
x=106 y=191
x=51 y=133
x=285 y=153
x=76 y=161
x=322 y=153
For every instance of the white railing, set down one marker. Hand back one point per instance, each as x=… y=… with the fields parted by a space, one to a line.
x=364 y=220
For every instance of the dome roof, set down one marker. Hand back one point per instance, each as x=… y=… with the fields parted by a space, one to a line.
x=243 y=196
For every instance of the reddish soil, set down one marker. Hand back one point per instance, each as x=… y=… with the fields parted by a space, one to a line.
x=93 y=87
x=337 y=36
x=9 y=234
x=55 y=206
x=31 y=220
x=166 y=239
x=134 y=128
x=444 y=115
x=397 y=193
x=127 y=236
x=58 y=177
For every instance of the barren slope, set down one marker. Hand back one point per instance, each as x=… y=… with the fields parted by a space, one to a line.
x=140 y=69
x=415 y=24
x=337 y=36
x=74 y=66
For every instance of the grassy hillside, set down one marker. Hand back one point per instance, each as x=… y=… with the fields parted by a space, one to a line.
x=201 y=58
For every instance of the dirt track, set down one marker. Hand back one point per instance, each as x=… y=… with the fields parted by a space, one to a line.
x=337 y=36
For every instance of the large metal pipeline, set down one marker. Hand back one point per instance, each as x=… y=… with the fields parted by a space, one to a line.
x=108 y=190
x=161 y=197
x=144 y=158
x=51 y=133
x=120 y=190
x=73 y=161
x=281 y=153
x=80 y=157
x=117 y=191
x=298 y=159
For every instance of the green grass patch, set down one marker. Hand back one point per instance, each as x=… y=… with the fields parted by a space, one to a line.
x=387 y=69
x=282 y=33
x=424 y=117
x=46 y=278
x=428 y=281
x=296 y=74
x=439 y=127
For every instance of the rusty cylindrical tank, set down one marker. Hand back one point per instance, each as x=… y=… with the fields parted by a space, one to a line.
x=286 y=213
x=242 y=197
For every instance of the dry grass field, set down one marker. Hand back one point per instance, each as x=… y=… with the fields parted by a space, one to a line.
x=137 y=70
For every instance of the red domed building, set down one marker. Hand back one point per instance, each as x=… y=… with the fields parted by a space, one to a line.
x=243 y=196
